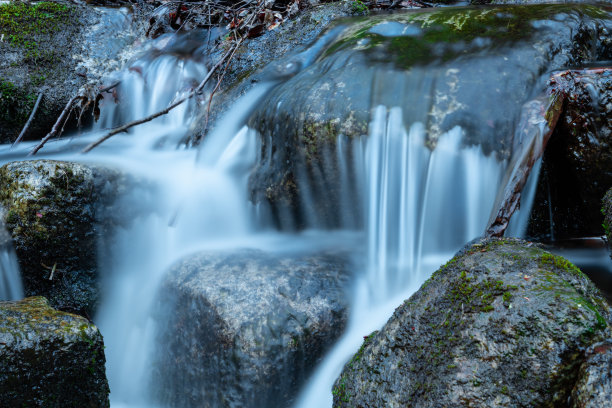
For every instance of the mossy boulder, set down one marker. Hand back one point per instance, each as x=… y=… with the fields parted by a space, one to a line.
x=252 y=326
x=577 y=166
x=49 y=358
x=503 y=324
x=53 y=47
x=441 y=67
x=51 y=210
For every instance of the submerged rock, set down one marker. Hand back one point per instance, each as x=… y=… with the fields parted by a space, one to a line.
x=251 y=326
x=441 y=67
x=577 y=166
x=49 y=358
x=502 y=324
x=51 y=210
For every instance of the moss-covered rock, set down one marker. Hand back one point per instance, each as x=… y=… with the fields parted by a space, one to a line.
x=252 y=326
x=503 y=324
x=53 y=47
x=51 y=210
x=441 y=67
x=49 y=358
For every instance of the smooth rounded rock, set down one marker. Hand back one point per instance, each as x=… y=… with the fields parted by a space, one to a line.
x=244 y=329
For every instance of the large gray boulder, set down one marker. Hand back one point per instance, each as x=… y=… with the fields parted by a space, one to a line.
x=49 y=358
x=502 y=324
x=244 y=329
x=51 y=209
x=441 y=73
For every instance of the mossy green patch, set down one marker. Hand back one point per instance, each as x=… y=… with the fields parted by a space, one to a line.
x=14 y=103
x=561 y=263
x=434 y=33
x=22 y=24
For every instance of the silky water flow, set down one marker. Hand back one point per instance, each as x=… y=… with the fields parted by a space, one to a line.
x=420 y=205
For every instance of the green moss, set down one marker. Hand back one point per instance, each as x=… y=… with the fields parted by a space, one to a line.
x=561 y=263
x=444 y=27
x=23 y=23
x=15 y=103
x=339 y=391
x=478 y=296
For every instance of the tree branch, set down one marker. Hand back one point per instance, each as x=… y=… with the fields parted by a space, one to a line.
x=27 y=125
x=58 y=126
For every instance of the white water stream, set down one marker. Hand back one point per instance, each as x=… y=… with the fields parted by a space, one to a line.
x=420 y=205
x=10 y=280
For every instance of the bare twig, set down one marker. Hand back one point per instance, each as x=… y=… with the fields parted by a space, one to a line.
x=108 y=88
x=58 y=126
x=167 y=109
x=27 y=125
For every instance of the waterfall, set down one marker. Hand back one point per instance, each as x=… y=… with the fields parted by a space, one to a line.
x=188 y=201
x=422 y=206
x=415 y=199
x=10 y=279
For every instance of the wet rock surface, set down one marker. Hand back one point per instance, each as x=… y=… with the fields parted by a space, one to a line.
x=503 y=324
x=577 y=166
x=452 y=68
x=51 y=209
x=595 y=378
x=49 y=358
x=251 y=326
x=257 y=60
x=55 y=48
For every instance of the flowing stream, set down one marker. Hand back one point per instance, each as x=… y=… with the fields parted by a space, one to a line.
x=10 y=280
x=420 y=205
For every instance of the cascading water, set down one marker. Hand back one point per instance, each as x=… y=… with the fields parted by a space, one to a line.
x=10 y=280
x=416 y=201
x=188 y=202
x=422 y=206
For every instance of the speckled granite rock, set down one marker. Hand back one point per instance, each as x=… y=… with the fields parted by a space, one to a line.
x=606 y=209
x=244 y=329
x=49 y=358
x=594 y=386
